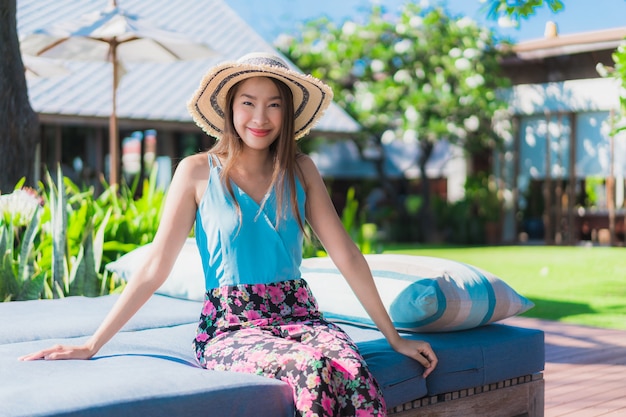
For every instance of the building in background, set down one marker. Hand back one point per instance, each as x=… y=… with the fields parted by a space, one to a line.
x=74 y=105
x=565 y=167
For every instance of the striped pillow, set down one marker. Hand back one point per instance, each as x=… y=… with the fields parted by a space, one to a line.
x=421 y=293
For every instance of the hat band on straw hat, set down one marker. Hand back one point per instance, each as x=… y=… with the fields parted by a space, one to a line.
x=311 y=97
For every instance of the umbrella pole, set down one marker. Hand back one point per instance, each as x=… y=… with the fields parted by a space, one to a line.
x=114 y=151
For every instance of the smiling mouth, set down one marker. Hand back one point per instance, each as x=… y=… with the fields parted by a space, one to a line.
x=259 y=132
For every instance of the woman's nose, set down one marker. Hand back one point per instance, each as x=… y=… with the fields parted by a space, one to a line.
x=260 y=114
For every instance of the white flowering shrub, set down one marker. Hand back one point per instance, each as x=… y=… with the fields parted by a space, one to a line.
x=421 y=74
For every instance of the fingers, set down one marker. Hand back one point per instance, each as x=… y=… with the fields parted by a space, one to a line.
x=424 y=354
x=52 y=353
x=431 y=358
x=422 y=359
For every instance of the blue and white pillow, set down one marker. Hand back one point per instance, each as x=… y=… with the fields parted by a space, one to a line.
x=420 y=293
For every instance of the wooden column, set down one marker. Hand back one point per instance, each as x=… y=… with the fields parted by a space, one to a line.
x=610 y=183
x=547 y=188
x=571 y=191
x=517 y=149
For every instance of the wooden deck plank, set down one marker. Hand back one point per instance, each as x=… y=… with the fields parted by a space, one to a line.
x=585 y=372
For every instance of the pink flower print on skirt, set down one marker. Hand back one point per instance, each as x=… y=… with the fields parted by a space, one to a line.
x=277 y=331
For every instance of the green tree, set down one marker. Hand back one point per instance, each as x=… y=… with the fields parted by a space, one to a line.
x=422 y=76
x=519 y=9
x=619 y=72
x=19 y=125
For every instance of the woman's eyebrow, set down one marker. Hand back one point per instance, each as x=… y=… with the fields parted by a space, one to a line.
x=250 y=96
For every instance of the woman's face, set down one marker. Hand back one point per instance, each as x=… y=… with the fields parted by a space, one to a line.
x=257 y=112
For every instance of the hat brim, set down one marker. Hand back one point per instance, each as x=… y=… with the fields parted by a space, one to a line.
x=311 y=97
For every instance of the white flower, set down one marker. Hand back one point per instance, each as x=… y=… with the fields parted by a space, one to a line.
x=377 y=65
x=465 y=22
x=470 y=53
x=365 y=101
x=455 y=53
x=419 y=73
x=462 y=64
x=20 y=206
x=388 y=137
x=402 y=76
x=402 y=46
x=416 y=21
x=471 y=123
x=411 y=114
x=466 y=100
x=401 y=28
x=349 y=28
x=474 y=81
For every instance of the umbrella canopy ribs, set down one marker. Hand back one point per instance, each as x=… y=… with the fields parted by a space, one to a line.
x=115 y=36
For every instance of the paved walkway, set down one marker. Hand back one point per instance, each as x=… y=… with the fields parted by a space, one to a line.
x=585 y=371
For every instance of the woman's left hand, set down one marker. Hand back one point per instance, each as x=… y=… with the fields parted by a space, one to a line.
x=418 y=350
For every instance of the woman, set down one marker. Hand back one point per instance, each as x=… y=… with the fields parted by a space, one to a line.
x=249 y=197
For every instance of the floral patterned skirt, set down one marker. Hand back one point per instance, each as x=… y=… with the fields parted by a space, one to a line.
x=277 y=331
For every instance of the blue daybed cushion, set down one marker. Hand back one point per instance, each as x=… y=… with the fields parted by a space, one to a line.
x=467 y=358
x=152 y=371
x=81 y=316
x=149 y=372
x=421 y=293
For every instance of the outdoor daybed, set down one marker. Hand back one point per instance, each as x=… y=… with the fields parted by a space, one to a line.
x=148 y=369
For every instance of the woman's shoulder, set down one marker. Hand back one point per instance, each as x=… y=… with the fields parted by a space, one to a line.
x=307 y=170
x=197 y=162
x=193 y=168
x=306 y=165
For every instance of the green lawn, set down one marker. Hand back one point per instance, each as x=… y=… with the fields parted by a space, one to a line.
x=581 y=285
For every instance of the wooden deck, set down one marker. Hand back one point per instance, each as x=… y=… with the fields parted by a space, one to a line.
x=585 y=372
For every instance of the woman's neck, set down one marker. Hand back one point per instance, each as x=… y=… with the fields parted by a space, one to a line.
x=254 y=163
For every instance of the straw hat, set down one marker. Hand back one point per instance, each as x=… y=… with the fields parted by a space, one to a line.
x=311 y=96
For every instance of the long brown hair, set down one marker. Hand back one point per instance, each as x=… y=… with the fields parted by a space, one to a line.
x=283 y=150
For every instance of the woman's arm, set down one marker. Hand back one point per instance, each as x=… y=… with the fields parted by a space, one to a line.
x=325 y=222
x=176 y=222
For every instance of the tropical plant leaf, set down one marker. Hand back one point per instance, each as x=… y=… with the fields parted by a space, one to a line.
x=58 y=213
x=9 y=284
x=98 y=243
x=84 y=276
x=77 y=274
x=32 y=287
x=26 y=267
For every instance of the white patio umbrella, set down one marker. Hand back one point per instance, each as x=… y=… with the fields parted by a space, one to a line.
x=118 y=37
x=36 y=67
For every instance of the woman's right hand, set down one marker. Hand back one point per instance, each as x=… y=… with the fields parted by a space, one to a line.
x=57 y=352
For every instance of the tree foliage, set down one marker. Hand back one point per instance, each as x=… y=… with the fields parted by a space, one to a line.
x=519 y=9
x=619 y=72
x=421 y=76
x=425 y=75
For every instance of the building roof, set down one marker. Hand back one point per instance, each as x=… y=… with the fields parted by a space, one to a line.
x=147 y=91
x=554 y=44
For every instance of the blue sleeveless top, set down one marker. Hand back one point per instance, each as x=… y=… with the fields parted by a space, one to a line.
x=250 y=249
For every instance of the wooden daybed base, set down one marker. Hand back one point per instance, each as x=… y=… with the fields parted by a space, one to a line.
x=516 y=397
